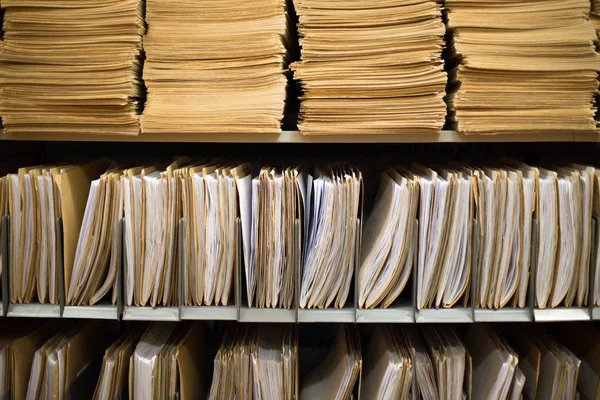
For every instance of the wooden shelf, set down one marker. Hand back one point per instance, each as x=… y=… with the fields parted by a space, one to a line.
x=446 y=136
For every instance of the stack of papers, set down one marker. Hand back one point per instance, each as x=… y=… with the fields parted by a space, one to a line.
x=564 y=215
x=272 y=215
x=426 y=386
x=522 y=66
x=445 y=227
x=152 y=210
x=168 y=362
x=505 y=198
x=210 y=210
x=256 y=362
x=71 y=66
x=388 y=366
x=94 y=272
x=338 y=373
x=333 y=236
x=495 y=365
x=37 y=198
x=451 y=364
x=371 y=68
x=113 y=380
x=61 y=367
x=215 y=66
x=387 y=248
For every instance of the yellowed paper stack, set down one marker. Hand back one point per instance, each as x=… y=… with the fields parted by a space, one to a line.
x=371 y=67
x=96 y=264
x=522 y=66
x=38 y=198
x=333 y=236
x=215 y=66
x=168 y=363
x=256 y=362
x=564 y=213
x=71 y=66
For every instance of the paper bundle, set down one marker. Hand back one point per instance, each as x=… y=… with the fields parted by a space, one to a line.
x=522 y=66
x=71 y=66
x=215 y=66
x=371 y=67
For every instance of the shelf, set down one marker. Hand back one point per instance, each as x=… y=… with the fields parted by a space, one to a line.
x=338 y=315
x=596 y=313
x=34 y=310
x=403 y=314
x=131 y=313
x=561 y=314
x=447 y=136
x=445 y=315
x=100 y=311
x=267 y=315
x=216 y=313
x=503 y=315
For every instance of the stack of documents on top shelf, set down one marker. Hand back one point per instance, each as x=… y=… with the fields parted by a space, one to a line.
x=256 y=362
x=152 y=210
x=94 y=271
x=272 y=207
x=215 y=66
x=113 y=381
x=496 y=372
x=336 y=376
x=505 y=198
x=37 y=198
x=388 y=365
x=446 y=212
x=371 y=67
x=336 y=196
x=388 y=245
x=523 y=66
x=63 y=364
x=71 y=66
x=211 y=209
x=564 y=236
x=168 y=363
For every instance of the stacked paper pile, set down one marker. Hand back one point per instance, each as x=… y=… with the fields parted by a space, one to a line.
x=71 y=66
x=371 y=68
x=523 y=66
x=215 y=66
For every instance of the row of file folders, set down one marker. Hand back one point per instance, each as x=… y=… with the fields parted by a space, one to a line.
x=290 y=244
x=88 y=360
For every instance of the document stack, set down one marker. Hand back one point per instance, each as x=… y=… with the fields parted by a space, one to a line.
x=96 y=264
x=371 y=67
x=256 y=362
x=505 y=198
x=71 y=66
x=388 y=245
x=38 y=198
x=564 y=215
x=152 y=209
x=215 y=66
x=449 y=361
x=272 y=207
x=332 y=240
x=18 y=343
x=446 y=212
x=61 y=367
x=522 y=66
x=339 y=372
x=496 y=371
x=211 y=210
x=168 y=362
x=388 y=365
x=113 y=380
